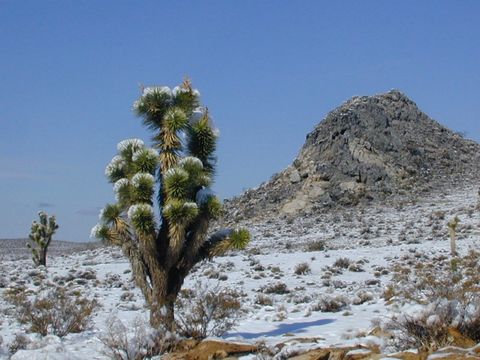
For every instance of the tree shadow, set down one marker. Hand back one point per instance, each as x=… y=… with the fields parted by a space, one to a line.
x=298 y=327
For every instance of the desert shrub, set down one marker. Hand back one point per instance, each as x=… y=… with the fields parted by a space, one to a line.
x=316 y=245
x=264 y=300
x=140 y=343
x=302 y=269
x=301 y=299
x=450 y=293
x=372 y=282
x=328 y=303
x=264 y=350
x=275 y=270
x=439 y=214
x=355 y=267
x=427 y=330
x=343 y=263
x=440 y=278
x=3 y=282
x=211 y=273
x=434 y=326
x=470 y=326
x=280 y=315
x=207 y=311
x=54 y=311
x=388 y=293
x=16 y=295
x=277 y=288
x=258 y=267
x=361 y=297
x=20 y=342
x=113 y=281
x=127 y=296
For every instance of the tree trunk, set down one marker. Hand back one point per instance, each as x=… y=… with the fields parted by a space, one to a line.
x=166 y=286
x=162 y=313
x=42 y=257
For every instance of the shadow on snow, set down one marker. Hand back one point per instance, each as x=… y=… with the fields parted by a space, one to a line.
x=298 y=327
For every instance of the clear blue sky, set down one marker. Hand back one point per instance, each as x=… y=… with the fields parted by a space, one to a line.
x=268 y=70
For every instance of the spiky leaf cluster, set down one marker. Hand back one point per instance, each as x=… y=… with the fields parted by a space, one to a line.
x=226 y=239
x=131 y=172
x=180 y=212
x=142 y=218
x=203 y=141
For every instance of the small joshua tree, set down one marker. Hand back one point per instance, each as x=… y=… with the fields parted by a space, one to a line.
x=452 y=229
x=41 y=235
x=163 y=249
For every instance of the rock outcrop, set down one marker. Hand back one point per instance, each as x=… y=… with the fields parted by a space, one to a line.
x=213 y=349
x=370 y=148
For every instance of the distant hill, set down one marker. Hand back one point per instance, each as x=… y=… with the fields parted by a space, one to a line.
x=14 y=249
x=368 y=149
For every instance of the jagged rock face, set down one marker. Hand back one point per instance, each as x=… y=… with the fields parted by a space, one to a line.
x=369 y=148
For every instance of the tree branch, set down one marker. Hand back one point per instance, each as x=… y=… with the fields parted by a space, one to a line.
x=213 y=246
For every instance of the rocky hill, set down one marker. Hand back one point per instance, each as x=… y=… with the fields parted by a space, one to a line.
x=371 y=148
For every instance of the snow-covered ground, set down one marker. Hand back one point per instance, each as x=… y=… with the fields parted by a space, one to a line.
x=281 y=306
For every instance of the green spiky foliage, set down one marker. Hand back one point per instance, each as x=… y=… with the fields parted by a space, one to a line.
x=41 y=234
x=163 y=246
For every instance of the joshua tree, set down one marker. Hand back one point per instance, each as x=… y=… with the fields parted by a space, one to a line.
x=163 y=249
x=452 y=229
x=41 y=234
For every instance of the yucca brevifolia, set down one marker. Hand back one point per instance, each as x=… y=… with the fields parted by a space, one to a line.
x=163 y=249
x=41 y=234
x=452 y=230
